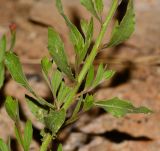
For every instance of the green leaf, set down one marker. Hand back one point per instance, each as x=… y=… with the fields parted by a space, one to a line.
x=54 y=120
x=75 y=35
x=99 y=75
x=12 y=108
x=56 y=81
x=120 y=108
x=88 y=103
x=19 y=136
x=2 y=74
x=99 y=6
x=13 y=40
x=90 y=77
x=28 y=132
x=60 y=147
x=89 y=5
x=2 y=48
x=88 y=40
x=56 y=49
x=63 y=93
x=77 y=108
x=37 y=110
x=3 y=146
x=123 y=30
x=46 y=66
x=84 y=26
x=14 y=66
x=108 y=74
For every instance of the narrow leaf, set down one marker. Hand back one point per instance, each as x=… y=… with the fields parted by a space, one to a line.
x=2 y=48
x=88 y=103
x=54 y=120
x=14 y=66
x=12 y=108
x=99 y=6
x=56 y=49
x=28 y=132
x=90 y=77
x=56 y=81
x=3 y=146
x=2 y=74
x=119 y=108
x=19 y=136
x=89 y=5
x=123 y=30
x=99 y=75
x=75 y=35
x=108 y=74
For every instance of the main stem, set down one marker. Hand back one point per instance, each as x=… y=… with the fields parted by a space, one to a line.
x=93 y=53
x=46 y=142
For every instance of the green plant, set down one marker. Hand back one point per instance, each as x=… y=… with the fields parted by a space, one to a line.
x=53 y=115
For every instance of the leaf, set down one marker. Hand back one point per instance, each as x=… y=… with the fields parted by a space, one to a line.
x=14 y=66
x=75 y=35
x=108 y=74
x=56 y=49
x=77 y=108
x=63 y=93
x=90 y=77
x=28 y=132
x=84 y=26
x=19 y=136
x=99 y=6
x=120 y=108
x=89 y=5
x=88 y=39
x=12 y=108
x=3 y=146
x=46 y=66
x=2 y=48
x=54 y=120
x=123 y=30
x=37 y=110
x=99 y=75
x=56 y=81
x=88 y=103
x=60 y=147
x=2 y=74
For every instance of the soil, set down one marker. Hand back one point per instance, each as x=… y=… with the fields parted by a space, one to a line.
x=137 y=79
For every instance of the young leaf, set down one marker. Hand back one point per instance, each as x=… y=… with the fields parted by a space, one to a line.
x=99 y=75
x=75 y=35
x=89 y=4
x=120 y=108
x=3 y=146
x=90 y=77
x=2 y=48
x=2 y=72
x=13 y=36
x=123 y=30
x=84 y=26
x=56 y=49
x=60 y=147
x=28 y=132
x=56 y=81
x=46 y=66
x=88 y=39
x=19 y=136
x=54 y=120
x=12 y=108
x=99 y=6
x=88 y=103
x=108 y=74
x=14 y=66
x=38 y=111
x=63 y=93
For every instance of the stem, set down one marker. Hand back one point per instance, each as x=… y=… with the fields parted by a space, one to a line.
x=93 y=53
x=46 y=142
